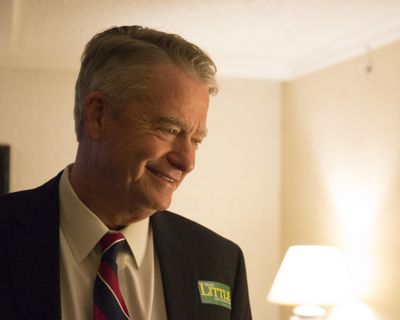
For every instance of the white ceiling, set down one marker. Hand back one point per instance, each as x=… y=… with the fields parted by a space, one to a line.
x=271 y=39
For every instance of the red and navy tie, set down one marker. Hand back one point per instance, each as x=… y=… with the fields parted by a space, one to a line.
x=108 y=303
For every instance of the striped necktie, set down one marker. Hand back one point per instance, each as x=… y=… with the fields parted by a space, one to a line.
x=108 y=303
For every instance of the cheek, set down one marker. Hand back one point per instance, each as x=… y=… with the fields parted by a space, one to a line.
x=142 y=155
x=151 y=148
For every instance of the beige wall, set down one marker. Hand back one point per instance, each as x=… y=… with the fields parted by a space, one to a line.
x=340 y=170
x=36 y=120
x=234 y=189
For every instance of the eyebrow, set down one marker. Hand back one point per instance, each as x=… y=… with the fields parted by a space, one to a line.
x=179 y=123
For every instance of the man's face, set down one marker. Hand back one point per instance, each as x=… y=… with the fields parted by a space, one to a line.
x=149 y=147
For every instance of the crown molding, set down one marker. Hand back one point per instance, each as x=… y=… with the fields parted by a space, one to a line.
x=352 y=45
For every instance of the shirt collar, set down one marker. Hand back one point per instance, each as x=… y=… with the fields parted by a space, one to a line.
x=83 y=229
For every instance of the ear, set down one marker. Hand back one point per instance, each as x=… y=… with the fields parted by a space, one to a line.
x=94 y=113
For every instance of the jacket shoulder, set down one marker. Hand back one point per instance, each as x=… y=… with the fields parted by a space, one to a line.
x=192 y=234
x=25 y=200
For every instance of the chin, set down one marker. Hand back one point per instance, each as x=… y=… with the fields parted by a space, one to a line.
x=160 y=206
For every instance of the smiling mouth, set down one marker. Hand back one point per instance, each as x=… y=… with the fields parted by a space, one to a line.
x=158 y=174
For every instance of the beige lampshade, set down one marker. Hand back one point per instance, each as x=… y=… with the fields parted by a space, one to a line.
x=312 y=275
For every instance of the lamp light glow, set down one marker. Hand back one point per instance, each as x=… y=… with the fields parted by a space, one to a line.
x=312 y=276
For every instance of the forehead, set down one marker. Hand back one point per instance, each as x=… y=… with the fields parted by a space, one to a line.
x=172 y=96
x=174 y=92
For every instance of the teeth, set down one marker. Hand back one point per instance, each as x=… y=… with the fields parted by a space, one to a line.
x=164 y=177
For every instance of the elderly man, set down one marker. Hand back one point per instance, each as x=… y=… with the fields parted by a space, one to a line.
x=96 y=242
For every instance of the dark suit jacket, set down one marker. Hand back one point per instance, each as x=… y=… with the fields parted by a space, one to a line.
x=188 y=252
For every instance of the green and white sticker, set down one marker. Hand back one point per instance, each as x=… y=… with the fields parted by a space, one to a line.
x=212 y=292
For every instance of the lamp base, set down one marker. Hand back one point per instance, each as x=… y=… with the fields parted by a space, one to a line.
x=308 y=312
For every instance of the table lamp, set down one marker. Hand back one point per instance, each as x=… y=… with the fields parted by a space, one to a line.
x=310 y=278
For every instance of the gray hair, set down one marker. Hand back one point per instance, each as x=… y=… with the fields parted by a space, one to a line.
x=120 y=62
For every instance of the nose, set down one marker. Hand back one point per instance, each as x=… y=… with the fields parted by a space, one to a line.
x=183 y=155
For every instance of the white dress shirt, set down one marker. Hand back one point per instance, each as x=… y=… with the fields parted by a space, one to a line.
x=138 y=268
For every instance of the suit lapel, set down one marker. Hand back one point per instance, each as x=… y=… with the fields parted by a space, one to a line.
x=34 y=251
x=178 y=270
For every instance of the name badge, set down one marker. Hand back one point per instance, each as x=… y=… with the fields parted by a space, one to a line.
x=212 y=292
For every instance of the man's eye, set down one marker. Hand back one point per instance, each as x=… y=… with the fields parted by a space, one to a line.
x=196 y=141
x=170 y=131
